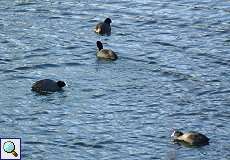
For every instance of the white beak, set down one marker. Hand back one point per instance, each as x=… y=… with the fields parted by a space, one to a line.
x=173 y=134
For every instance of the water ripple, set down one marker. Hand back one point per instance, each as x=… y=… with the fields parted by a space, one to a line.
x=172 y=72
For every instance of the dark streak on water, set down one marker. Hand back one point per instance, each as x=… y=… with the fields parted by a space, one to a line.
x=172 y=72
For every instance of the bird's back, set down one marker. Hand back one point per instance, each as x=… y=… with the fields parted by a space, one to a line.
x=103 y=28
x=106 y=54
x=195 y=138
x=45 y=85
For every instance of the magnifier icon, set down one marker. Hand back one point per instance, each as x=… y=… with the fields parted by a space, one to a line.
x=9 y=147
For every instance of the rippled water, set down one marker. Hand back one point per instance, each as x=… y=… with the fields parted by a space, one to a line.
x=173 y=71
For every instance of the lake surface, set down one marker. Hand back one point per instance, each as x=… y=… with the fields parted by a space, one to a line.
x=173 y=71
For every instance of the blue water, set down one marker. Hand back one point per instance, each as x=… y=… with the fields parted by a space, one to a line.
x=173 y=71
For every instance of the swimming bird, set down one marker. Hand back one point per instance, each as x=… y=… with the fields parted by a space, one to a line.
x=107 y=54
x=104 y=27
x=191 y=138
x=47 y=85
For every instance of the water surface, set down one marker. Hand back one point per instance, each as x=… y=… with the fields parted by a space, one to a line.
x=172 y=72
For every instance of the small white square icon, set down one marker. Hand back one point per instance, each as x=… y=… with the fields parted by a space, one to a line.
x=10 y=149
